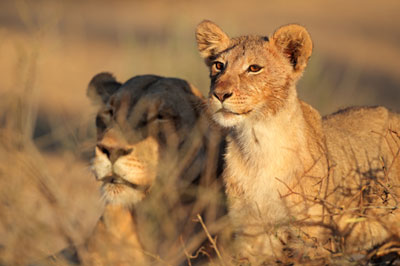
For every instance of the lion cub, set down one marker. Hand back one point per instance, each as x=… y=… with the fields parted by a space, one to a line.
x=294 y=179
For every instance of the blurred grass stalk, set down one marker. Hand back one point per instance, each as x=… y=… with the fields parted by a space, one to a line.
x=34 y=216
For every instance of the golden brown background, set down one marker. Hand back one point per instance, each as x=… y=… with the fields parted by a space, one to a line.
x=49 y=50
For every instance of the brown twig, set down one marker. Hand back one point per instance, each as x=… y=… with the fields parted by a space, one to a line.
x=188 y=256
x=213 y=243
x=156 y=257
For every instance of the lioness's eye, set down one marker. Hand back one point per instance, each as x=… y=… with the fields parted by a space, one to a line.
x=164 y=116
x=218 y=65
x=254 y=68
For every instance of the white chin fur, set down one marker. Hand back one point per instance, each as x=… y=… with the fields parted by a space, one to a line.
x=127 y=197
x=227 y=120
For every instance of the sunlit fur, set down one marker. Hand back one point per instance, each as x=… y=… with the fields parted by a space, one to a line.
x=147 y=119
x=136 y=168
x=296 y=181
x=152 y=139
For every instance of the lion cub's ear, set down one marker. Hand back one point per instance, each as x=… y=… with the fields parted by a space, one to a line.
x=101 y=87
x=295 y=43
x=211 y=40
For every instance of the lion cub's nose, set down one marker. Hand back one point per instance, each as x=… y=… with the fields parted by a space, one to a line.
x=112 y=152
x=222 y=96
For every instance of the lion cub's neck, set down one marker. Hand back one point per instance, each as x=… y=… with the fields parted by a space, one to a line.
x=272 y=136
x=263 y=157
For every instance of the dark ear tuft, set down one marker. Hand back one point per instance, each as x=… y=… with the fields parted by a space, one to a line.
x=101 y=87
x=295 y=43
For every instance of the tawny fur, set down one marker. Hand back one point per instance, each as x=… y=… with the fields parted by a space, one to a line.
x=294 y=180
x=115 y=240
x=150 y=157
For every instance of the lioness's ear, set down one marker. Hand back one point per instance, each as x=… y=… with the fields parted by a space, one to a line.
x=210 y=39
x=295 y=43
x=101 y=87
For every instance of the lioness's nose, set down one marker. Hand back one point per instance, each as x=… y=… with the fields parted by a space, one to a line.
x=222 y=96
x=112 y=152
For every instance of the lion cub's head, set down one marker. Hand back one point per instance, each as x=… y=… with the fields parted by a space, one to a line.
x=141 y=124
x=252 y=76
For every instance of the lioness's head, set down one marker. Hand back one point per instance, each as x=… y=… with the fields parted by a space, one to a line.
x=252 y=76
x=140 y=124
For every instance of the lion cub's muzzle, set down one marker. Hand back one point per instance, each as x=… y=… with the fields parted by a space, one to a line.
x=222 y=95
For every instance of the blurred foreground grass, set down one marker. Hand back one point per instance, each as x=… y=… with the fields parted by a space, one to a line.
x=49 y=50
x=48 y=198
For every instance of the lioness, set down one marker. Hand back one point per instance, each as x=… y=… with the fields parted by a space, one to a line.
x=297 y=184
x=157 y=159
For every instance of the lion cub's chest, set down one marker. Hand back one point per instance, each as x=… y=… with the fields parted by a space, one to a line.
x=261 y=161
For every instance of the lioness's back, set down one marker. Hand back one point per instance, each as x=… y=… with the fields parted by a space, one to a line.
x=361 y=136
x=358 y=119
x=362 y=131
x=363 y=148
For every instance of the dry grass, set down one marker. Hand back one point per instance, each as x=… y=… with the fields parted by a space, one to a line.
x=49 y=50
x=41 y=213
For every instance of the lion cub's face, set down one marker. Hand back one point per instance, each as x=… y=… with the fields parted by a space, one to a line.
x=140 y=123
x=251 y=76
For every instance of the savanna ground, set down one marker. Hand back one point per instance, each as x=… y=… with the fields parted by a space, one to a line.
x=49 y=50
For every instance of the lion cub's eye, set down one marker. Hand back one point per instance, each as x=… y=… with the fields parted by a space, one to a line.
x=218 y=65
x=254 y=68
